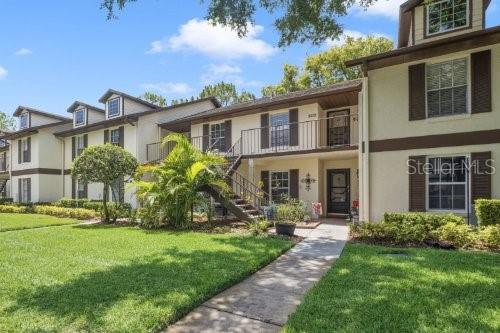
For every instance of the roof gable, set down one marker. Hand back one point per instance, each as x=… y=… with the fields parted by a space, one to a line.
x=21 y=108
x=77 y=104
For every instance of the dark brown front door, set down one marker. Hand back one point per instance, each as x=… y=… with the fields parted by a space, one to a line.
x=338 y=191
x=338 y=128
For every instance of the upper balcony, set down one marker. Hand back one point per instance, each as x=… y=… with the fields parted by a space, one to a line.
x=338 y=132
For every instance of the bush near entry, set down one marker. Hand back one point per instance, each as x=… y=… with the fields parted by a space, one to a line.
x=423 y=228
x=488 y=211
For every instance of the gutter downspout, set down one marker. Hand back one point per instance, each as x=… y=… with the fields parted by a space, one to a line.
x=365 y=154
x=63 y=150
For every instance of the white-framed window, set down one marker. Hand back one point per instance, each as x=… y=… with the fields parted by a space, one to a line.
x=280 y=129
x=447 y=183
x=23 y=121
x=79 y=144
x=25 y=194
x=447 y=88
x=280 y=185
x=114 y=137
x=447 y=15
x=79 y=117
x=114 y=107
x=218 y=136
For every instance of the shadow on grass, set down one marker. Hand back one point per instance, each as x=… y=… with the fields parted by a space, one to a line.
x=425 y=290
x=146 y=294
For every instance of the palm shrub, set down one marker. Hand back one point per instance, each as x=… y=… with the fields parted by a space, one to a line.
x=169 y=191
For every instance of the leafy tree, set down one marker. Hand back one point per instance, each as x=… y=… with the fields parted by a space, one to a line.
x=7 y=123
x=154 y=98
x=300 y=21
x=226 y=93
x=106 y=164
x=170 y=190
x=328 y=67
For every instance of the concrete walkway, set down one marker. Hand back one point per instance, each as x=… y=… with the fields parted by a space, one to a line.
x=262 y=302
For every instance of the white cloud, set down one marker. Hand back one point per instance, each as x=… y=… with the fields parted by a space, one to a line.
x=3 y=73
x=227 y=73
x=168 y=88
x=23 y=51
x=215 y=41
x=386 y=8
x=351 y=33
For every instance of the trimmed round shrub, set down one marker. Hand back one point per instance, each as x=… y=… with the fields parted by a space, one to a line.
x=459 y=235
x=490 y=236
x=488 y=211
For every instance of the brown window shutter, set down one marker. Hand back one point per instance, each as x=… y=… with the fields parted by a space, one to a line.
x=85 y=140
x=19 y=151
x=481 y=81
x=121 y=131
x=73 y=188
x=294 y=183
x=264 y=131
x=106 y=136
x=19 y=190
x=416 y=76
x=264 y=178
x=227 y=128
x=29 y=150
x=293 y=118
x=73 y=148
x=206 y=137
x=480 y=176
x=85 y=191
x=417 y=184
x=29 y=189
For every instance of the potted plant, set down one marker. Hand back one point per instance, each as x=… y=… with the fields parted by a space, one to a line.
x=288 y=214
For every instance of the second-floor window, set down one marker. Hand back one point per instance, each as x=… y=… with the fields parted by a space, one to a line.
x=218 y=136
x=80 y=117
x=23 y=121
x=115 y=136
x=280 y=129
x=80 y=144
x=25 y=151
x=447 y=15
x=447 y=88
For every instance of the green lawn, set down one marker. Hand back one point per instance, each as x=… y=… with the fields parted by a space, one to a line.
x=117 y=279
x=424 y=290
x=28 y=221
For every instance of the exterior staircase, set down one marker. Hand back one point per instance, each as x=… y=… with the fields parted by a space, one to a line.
x=246 y=200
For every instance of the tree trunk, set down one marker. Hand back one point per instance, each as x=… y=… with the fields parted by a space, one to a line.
x=105 y=203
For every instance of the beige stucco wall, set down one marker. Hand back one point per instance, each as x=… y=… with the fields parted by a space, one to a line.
x=476 y=23
x=389 y=182
x=389 y=102
x=44 y=188
x=147 y=126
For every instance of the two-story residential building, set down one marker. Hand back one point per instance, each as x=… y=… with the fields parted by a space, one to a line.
x=126 y=121
x=431 y=112
x=303 y=144
x=35 y=157
x=429 y=104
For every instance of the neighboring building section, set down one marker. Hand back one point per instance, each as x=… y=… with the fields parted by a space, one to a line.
x=448 y=116
x=36 y=156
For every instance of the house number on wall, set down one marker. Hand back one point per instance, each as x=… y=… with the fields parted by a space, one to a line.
x=311 y=115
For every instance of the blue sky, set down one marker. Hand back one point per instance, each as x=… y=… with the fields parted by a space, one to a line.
x=55 y=52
